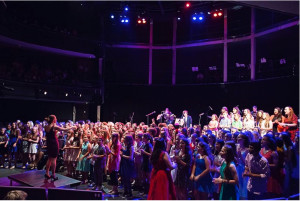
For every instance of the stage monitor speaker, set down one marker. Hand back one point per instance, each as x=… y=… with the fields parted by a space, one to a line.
x=34 y=193
x=73 y=194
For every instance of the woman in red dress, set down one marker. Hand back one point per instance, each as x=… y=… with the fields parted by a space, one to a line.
x=289 y=122
x=52 y=144
x=268 y=151
x=161 y=183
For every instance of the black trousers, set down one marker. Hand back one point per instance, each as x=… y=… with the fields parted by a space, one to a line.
x=98 y=173
x=114 y=178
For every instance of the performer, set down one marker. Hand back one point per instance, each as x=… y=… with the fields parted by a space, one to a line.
x=289 y=122
x=52 y=144
x=167 y=116
x=187 y=119
x=161 y=184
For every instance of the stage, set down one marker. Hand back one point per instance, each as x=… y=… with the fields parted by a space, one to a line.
x=35 y=178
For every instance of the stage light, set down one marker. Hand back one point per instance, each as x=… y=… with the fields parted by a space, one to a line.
x=178 y=18
x=144 y=21
x=122 y=21
x=112 y=16
x=208 y=13
x=215 y=15
x=200 y=18
x=220 y=14
x=139 y=21
x=79 y=95
x=194 y=18
x=126 y=8
x=45 y=93
x=126 y=20
x=67 y=94
x=187 y=5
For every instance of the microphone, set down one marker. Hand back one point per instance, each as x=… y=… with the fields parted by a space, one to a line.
x=210 y=108
x=201 y=114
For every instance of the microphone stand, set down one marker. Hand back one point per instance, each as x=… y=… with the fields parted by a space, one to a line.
x=131 y=118
x=147 y=115
x=200 y=120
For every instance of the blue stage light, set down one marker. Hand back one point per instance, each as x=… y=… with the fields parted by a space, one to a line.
x=126 y=20
x=126 y=8
x=194 y=18
x=122 y=21
x=112 y=16
x=200 y=18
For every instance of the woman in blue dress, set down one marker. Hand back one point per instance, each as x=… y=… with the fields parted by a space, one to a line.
x=242 y=151
x=228 y=175
x=127 y=165
x=83 y=163
x=201 y=172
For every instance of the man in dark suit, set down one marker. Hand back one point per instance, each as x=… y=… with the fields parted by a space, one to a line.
x=187 y=119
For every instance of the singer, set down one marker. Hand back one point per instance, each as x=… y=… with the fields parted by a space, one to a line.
x=187 y=119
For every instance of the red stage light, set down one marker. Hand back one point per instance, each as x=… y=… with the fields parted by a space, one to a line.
x=187 y=5
x=144 y=22
x=215 y=14
x=220 y=14
x=139 y=21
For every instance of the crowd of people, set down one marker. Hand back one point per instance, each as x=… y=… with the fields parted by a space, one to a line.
x=248 y=155
x=40 y=72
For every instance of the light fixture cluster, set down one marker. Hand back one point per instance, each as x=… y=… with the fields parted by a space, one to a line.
x=141 y=20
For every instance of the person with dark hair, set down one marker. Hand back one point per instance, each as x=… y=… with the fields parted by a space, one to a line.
x=276 y=118
x=268 y=151
x=113 y=162
x=201 y=172
x=13 y=139
x=127 y=165
x=161 y=184
x=242 y=151
x=187 y=119
x=229 y=179
x=99 y=157
x=183 y=160
x=258 y=170
x=83 y=158
x=218 y=160
x=146 y=152
x=212 y=141
x=52 y=144
x=227 y=136
x=138 y=160
x=3 y=146
x=287 y=151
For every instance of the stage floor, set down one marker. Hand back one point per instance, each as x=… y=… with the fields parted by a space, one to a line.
x=35 y=178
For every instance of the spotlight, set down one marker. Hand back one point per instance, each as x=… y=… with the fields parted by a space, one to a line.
x=79 y=95
x=215 y=15
x=220 y=14
x=178 y=18
x=126 y=8
x=139 y=21
x=122 y=21
x=144 y=21
x=187 y=5
x=126 y=21
x=112 y=16
x=67 y=94
x=200 y=18
x=45 y=93
x=194 y=18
